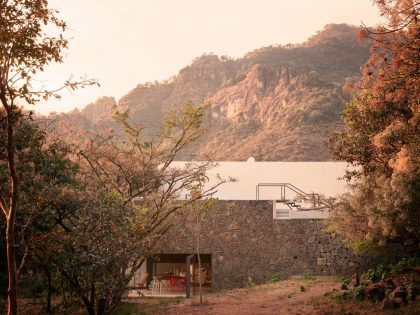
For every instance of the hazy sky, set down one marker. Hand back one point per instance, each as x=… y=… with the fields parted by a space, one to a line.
x=127 y=42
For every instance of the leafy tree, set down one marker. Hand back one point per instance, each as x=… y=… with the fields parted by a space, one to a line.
x=130 y=189
x=382 y=136
x=47 y=172
x=26 y=48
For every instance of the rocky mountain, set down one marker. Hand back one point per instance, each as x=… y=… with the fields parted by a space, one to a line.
x=275 y=103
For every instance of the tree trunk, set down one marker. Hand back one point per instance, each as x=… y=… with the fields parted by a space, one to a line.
x=11 y=217
x=63 y=292
x=200 y=292
x=90 y=307
x=11 y=266
x=92 y=293
x=50 y=288
x=101 y=306
x=200 y=285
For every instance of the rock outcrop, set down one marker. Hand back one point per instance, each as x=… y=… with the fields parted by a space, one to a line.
x=275 y=103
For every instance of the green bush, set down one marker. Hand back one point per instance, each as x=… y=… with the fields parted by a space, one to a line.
x=381 y=271
x=378 y=273
x=346 y=280
x=359 y=293
x=32 y=286
x=276 y=277
x=335 y=294
x=413 y=289
x=404 y=264
x=308 y=276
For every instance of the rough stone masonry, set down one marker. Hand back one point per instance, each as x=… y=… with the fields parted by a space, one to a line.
x=247 y=245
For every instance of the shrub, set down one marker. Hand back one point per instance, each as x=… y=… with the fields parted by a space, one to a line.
x=276 y=277
x=346 y=280
x=359 y=293
x=413 y=289
x=381 y=271
x=32 y=286
x=404 y=264
x=308 y=276
x=378 y=273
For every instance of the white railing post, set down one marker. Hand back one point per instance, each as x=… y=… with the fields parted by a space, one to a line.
x=274 y=209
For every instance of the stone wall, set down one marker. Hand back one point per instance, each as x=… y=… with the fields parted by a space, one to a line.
x=247 y=244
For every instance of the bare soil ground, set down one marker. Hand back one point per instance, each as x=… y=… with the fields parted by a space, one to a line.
x=296 y=296
x=293 y=296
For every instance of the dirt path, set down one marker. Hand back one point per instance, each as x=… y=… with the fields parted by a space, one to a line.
x=295 y=296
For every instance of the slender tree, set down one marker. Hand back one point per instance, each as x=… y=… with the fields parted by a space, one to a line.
x=201 y=207
x=48 y=172
x=26 y=48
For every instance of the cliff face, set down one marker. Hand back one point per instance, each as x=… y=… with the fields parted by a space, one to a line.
x=275 y=103
x=99 y=111
x=93 y=115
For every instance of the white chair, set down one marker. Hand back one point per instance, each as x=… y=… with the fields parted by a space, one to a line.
x=155 y=285
x=163 y=285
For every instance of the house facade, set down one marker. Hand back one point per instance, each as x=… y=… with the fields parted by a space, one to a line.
x=244 y=244
x=257 y=229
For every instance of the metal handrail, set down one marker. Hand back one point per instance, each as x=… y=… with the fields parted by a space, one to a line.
x=284 y=185
x=316 y=199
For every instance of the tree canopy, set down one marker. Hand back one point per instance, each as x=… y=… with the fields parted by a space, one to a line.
x=382 y=136
x=31 y=38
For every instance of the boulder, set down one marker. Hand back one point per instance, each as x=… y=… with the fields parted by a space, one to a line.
x=400 y=292
x=399 y=302
x=413 y=291
x=389 y=303
x=388 y=283
x=388 y=286
x=375 y=292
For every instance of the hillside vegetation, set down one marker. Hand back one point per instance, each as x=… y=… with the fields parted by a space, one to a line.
x=275 y=103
